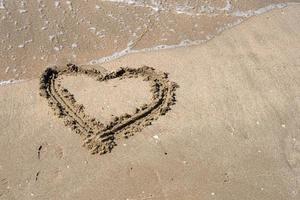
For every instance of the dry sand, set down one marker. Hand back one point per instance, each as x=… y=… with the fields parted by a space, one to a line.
x=234 y=132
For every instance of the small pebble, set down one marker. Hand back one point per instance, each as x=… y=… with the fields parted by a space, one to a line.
x=74 y=45
x=156 y=137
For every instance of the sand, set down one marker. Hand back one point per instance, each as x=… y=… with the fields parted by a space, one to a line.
x=232 y=134
x=99 y=137
x=40 y=33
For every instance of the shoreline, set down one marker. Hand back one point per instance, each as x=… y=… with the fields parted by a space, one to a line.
x=183 y=44
x=232 y=134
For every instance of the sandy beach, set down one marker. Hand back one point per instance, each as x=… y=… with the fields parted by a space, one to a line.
x=41 y=33
x=233 y=132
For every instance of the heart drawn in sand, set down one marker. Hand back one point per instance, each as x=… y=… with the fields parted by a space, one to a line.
x=99 y=137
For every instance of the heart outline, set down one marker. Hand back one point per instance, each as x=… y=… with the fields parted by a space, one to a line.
x=100 y=138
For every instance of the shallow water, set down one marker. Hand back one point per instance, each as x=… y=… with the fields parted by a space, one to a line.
x=39 y=33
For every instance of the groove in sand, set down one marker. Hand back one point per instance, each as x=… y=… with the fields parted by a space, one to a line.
x=98 y=137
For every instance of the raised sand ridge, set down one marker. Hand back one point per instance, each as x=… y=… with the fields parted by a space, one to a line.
x=99 y=137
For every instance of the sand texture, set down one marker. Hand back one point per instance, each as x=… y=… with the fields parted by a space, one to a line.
x=99 y=137
x=35 y=34
x=233 y=133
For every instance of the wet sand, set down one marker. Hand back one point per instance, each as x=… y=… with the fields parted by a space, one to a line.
x=232 y=134
x=100 y=137
x=38 y=34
